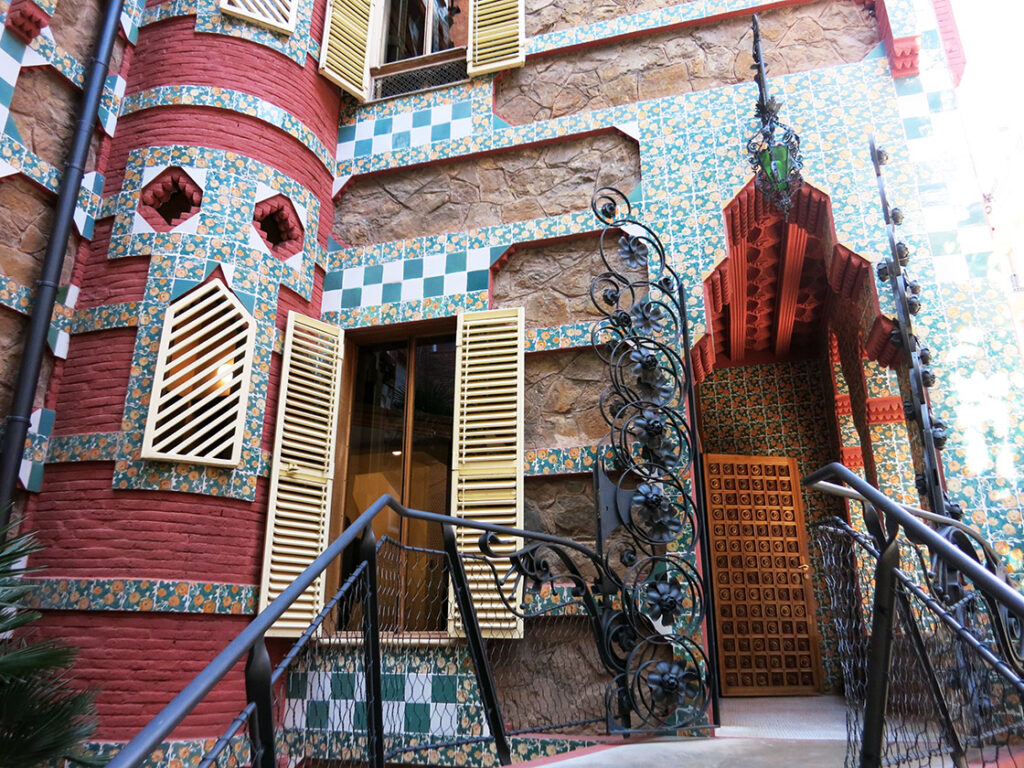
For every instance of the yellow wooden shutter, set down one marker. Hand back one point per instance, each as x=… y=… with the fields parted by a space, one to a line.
x=487 y=467
x=496 y=35
x=303 y=469
x=278 y=15
x=345 y=48
x=201 y=382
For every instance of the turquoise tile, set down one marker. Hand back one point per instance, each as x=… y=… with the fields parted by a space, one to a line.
x=373 y=275
x=317 y=714
x=917 y=127
x=392 y=292
x=441 y=132
x=412 y=268
x=343 y=685
x=332 y=280
x=421 y=118
x=401 y=140
x=907 y=86
x=417 y=718
x=461 y=109
x=433 y=286
x=478 y=280
x=382 y=126
x=350 y=298
x=455 y=262
x=392 y=687
x=444 y=689
x=364 y=147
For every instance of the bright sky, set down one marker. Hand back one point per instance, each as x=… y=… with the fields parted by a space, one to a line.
x=991 y=98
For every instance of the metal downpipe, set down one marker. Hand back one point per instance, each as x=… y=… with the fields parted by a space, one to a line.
x=53 y=262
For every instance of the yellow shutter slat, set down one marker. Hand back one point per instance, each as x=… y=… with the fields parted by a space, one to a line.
x=302 y=473
x=496 y=35
x=487 y=475
x=345 y=49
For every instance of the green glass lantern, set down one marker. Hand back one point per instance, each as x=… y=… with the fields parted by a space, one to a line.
x=775 y=162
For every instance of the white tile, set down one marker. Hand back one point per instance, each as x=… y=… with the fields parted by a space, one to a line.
x=381 y=144
x=433 y=265
x=462 y=127
x=444 y=719
x=393 y=271
x=352 y=277
x=401 y=122
x=442 y=113
x=417 y=686
x=478 y=258
x=914 y=105
x=372 y=295
x=975 y=239
x=319 y=686
x=295 y=714
x=412 y=289
x=455 y=283
x=331 y=301
x=10 y=68
x=364 y=129
x=394 y=716
x=419 y=136
x=346 y=150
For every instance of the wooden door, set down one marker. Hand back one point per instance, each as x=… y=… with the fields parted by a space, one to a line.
x=768 y=640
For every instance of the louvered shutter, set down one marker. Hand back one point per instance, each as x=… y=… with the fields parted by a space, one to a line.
x=487 y=473
x=278 y=15
x=496 y=35
x=201 y=383
x=303 y=468
x=345 y=48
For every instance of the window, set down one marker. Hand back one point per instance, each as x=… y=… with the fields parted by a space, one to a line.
x=400 y=443
x=277 y=15
x=361 y=34
x=435 y=420
x=201 y=382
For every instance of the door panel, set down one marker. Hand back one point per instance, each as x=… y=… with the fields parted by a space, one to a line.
x=768 y=640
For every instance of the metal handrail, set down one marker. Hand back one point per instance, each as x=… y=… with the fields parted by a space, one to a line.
x=140 y=747
x=984 y=580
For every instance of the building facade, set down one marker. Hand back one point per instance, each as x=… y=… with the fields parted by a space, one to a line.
x=265 y=177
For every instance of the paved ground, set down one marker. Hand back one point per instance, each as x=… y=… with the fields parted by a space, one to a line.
x=777 y=732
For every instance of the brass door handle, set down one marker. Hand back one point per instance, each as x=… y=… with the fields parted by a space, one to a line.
x=804 y=567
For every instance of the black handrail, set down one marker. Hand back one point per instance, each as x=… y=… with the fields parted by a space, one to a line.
x=987 y=582
x=149 y=738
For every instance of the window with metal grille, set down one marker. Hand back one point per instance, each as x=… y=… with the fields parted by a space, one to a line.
x=410 y=81
x=201 y=384
x=278 y=15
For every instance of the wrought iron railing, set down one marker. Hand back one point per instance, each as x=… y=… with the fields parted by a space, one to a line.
x=380 y=649
x=929 y=631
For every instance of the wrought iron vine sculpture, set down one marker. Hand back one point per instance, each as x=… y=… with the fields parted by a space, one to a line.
x=644 y=598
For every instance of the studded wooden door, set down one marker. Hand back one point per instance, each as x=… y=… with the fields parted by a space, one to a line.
x=768 y=640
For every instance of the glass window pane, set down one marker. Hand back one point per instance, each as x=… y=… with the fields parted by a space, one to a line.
x=441 y=39
x=375 y=460
x=407 y=22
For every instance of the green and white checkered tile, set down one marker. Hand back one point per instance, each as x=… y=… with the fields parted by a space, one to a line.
x=439 y=274
x=413 y=703
x=441 y=122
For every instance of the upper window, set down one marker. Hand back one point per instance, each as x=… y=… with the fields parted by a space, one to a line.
x=416 y=28
x=361 y=34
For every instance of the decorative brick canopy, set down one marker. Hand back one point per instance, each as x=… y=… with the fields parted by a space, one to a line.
x=170 y=199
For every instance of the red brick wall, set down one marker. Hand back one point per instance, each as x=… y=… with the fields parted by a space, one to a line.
x=89 y=529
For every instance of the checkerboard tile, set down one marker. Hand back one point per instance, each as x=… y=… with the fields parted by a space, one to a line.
x=411 y=279
x=380 y=135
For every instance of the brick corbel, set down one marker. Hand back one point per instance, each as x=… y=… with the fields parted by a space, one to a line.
x=25 y=20
x=903 y=52
x=885 y=410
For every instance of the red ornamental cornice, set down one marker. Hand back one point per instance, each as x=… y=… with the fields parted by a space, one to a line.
x=879 y=345
x=843 y=405
x=25 y=19
x=851 y=456
x=950 y=35
x=903 y=52
x=885 y=410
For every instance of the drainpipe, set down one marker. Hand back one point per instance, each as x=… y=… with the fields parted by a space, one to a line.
x=53 y=262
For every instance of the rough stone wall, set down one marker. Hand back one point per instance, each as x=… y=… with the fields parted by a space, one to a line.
x=548 y=15
x=499 y=188
x=552 y=281
x=45 y=107
x=794 y=39
x=563 y=391
x=561 y=506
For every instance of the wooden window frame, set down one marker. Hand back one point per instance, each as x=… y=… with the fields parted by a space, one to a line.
x=238 y=9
